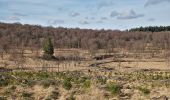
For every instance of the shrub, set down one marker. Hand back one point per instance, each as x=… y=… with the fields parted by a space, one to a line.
x=4 y=82
x=29 y=83
x=45 y=83
x=67 y=84
x=43 y=75
x=48 y=57
x=114 y=88
x=71 y=97
x=144 y=90
x=87 y=84
x=7 y=93
x=3 y=98
x=54 y=95
x=102 y=80
x=81 y=80
x=27 y=96
x=13 y=87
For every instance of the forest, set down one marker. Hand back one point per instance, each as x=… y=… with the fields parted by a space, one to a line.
x=151 y=29
x=32 y=36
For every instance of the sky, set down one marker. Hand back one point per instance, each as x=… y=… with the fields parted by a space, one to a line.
x=91 y=14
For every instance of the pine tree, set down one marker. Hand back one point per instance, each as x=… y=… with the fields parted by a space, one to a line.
x=48 y=48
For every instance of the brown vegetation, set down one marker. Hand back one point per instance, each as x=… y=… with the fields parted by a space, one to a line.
x=88 y=64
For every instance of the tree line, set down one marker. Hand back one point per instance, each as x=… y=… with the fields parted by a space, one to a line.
x=32 y=37
x=151 y=29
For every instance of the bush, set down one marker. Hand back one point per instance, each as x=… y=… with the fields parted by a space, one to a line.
x=48 y=57
x=144 y=90
x=54 y=95
x=102 y=80
x=29 y=83
x=43 y=75
x=3 y=98
x=4 y=82
x=45 y=83
x=13 y=88
x=27 y=95
x=71 y=97
x=7 y=93
x=114 y=88
x=67 y=84
x=87 y=84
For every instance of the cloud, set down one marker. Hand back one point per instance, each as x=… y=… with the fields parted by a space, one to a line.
x=151 y=19
x=60 y=9
x=56 y=21
x=114 y=14
x=14 y=18
x=89 y=18
x=105 y=4
x=154 y=2
x=104 y=18
x=129 y=15
x=2 y=18
x=19 y=14
x=84 y=22
x=100 y=21
x=11 y=18
x=74 y=14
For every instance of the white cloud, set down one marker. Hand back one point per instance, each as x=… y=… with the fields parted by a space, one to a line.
x=89 y=18
x=151 y=19
x=74 y=14
x=129 y=15
x=104 y=18
x=19 y=14
x=84 y=22
x=14 y=18
x=153 y=2
x=56 y=21
x=105 y=4
x=114 y=14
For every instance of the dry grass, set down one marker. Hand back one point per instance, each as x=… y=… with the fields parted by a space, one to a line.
x=129 y=72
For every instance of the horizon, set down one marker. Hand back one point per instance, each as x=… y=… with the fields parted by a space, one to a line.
x=123 y=30
x=90 y=14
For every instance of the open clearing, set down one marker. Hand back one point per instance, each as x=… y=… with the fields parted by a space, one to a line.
x=120 y=76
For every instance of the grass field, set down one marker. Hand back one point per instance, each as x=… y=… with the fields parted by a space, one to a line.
x=119 y=76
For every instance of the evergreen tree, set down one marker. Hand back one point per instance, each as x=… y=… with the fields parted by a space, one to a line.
x=48 y=48
x=151 y=29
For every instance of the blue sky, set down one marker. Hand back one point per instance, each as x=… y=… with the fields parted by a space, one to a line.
x=93 y=14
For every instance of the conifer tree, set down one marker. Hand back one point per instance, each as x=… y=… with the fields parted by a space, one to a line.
x=48 y=48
